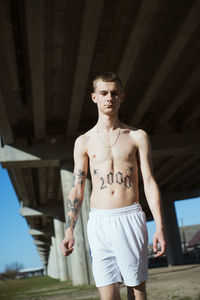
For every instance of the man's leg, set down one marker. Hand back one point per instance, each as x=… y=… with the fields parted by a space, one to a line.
x=140 y=291
x=110 y=292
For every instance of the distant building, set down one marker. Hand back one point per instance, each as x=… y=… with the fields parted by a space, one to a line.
x=31 y=272
x=190 y=235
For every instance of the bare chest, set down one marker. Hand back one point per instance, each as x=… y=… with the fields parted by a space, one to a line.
x=122 y=153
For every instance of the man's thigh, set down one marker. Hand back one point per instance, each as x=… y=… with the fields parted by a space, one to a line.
x=110 y=292
x=140 y=291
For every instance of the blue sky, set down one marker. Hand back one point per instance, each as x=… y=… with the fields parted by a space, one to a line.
x=16 y=244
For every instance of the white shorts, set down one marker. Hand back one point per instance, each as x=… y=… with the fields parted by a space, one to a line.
x=119 y=245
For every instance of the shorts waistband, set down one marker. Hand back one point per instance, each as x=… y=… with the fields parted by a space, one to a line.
x=136 y=207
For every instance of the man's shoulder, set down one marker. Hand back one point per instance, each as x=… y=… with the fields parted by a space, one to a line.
x=82 y=140
x=136 y=133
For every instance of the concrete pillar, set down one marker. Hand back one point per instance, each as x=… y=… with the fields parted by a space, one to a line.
x=78 y=259
x=50 y=260
x=62 y=260
x=85 y=214
x=53 y=270
x=174 y=249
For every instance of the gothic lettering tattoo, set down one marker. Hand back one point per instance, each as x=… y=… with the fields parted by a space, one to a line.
x=110 y=178
x=127 y=181
x=102 y=184
x=119 y=177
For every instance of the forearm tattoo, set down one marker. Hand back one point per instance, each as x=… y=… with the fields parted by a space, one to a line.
x=74 y=205
x=119 y=177
x=81 y=175
x=73 y=209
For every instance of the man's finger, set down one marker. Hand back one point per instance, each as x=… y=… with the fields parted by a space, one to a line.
x=155 y=246
x=68 y=251
x=161 y=251
x=71 y=244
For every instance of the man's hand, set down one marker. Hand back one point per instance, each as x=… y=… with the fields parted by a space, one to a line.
x=159 y=238
x=67 y=245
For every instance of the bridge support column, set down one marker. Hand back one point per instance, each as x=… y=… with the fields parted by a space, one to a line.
x=174 y=249
x=54 y=270
x=78 y=259
x=62 y=260
x=49 y=265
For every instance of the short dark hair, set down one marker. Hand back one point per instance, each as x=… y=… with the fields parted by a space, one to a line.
x=107 y=77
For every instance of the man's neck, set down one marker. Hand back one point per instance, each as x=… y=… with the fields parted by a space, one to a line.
x=108 y=123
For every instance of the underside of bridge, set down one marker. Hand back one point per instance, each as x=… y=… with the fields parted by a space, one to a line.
x=49 y=53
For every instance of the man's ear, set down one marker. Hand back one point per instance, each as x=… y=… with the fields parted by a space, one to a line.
x=122 y=97
x=93 y=96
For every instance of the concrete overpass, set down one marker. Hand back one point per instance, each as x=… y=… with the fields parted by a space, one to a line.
x=49 y=52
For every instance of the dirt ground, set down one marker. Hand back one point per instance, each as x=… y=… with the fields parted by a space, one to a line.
x=179 y=282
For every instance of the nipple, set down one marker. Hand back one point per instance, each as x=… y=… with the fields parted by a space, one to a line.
x=94 y=155
x=113 y=192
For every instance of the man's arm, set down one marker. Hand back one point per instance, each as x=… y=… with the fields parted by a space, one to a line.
x=151 y=191
x=75 y=198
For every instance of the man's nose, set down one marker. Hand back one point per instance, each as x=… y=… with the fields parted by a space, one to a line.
x=109 y=96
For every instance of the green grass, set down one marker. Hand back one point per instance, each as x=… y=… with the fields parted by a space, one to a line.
x=37 y=286
x=44 y=286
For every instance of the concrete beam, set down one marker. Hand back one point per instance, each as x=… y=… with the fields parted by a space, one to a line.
x=42 y=154
x=175 y=144
x=35 y=38
x=45 y=153
x=15 y=183
x=190 y=117
x=182 y=37
x=177 y=172
x=165 y=169
x=17 y=176
x=41 y=231
x=42 y=184
x=43 y=249
x=165 y=115
x=181 y=194
x=8 y=74
x=90 y=23
x=190 y=173
x=41 y=211
x=30 y=164
x=6 y=130
x=31 y=186
x=41 y=243
x=138 y=34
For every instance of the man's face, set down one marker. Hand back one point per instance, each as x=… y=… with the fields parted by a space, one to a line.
x=108 y=97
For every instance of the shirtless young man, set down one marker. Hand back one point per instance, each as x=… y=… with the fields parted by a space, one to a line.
x=117 y=227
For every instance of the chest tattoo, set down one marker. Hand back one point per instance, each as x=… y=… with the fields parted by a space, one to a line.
x=120 y=178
